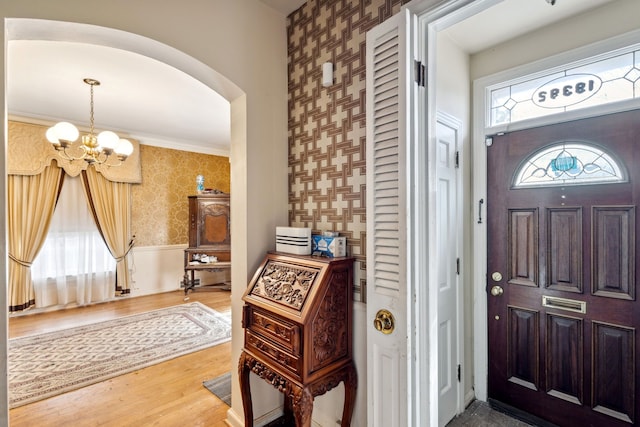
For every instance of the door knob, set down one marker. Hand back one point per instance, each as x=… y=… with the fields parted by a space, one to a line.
x=496 y=291
x=384 y=321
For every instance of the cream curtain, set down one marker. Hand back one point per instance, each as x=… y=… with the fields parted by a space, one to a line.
x=32 y=199
x=74 y=265
x=110 y=203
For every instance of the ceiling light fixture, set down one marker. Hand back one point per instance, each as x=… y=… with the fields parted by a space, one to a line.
x=93 y=149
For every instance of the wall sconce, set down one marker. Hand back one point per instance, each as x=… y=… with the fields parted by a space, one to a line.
x=327 y=74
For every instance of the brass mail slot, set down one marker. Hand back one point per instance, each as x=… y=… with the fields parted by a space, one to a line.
x=564 y=304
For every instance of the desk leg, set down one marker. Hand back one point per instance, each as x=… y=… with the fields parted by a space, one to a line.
x=350 y=387
x=185 y=282
x=302 y=402
x=245 y=390
x=288 y=410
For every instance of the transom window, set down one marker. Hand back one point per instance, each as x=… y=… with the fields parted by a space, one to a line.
x=600 y=80
x=568 y=163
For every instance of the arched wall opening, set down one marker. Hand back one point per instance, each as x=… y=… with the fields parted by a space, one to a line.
x=50 y=30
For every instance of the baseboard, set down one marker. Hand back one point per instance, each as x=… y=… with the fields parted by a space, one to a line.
x=469 y=398
x=233 y=420
x=519 y=414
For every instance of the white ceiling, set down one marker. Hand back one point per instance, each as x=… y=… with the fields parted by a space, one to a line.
x=151 y=101
x=137 y=96
x=512 y=18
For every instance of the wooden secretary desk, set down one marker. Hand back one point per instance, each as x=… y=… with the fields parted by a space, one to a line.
x=209 y=235
x=298 y=316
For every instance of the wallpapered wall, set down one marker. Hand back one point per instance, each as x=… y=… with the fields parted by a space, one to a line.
x=327 y=173
x=160 y=208
x=160 y=205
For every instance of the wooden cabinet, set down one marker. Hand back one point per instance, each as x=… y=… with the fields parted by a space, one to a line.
x=297 y=317
x=209 y=236
x=210 y=222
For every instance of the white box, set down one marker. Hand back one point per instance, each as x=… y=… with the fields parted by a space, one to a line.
x=293 y=240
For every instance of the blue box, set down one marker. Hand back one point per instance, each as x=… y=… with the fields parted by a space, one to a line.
x=328 y=246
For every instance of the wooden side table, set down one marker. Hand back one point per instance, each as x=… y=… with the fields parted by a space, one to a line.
x=189 y=280
x=298 y=318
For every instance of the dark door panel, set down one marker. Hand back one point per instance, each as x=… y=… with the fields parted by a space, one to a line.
x=562 y=265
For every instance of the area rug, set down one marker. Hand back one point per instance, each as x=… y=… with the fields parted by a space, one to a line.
x=221 y=387
x=45 y=365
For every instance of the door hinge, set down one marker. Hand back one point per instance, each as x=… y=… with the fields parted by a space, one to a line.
x=457 y=159
x=421 y=73
x=458 y=266
x=459 y=372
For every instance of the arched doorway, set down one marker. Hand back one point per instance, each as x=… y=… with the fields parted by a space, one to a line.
x=56 y=31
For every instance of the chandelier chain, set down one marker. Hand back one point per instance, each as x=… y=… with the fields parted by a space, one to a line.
x=91 y=111
x=95 y=149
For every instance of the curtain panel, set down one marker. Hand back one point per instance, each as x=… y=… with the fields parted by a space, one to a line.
x=32 y=200
x=110 y=203
x=34 y=183
x=74 y=265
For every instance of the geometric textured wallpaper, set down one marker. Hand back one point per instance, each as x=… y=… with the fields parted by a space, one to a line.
x=160 y=205
x=327 y=160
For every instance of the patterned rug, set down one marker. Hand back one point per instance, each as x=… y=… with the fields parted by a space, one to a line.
x=45 y=365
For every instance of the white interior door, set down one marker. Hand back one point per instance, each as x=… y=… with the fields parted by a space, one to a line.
x=447 y=134
x=388 y=399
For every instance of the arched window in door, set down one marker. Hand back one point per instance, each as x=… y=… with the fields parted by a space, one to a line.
x=569 y=163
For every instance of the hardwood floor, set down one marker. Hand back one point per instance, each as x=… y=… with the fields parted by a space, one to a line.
x=166 y=394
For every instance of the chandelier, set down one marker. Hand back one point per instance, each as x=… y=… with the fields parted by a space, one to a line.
x=92 y=149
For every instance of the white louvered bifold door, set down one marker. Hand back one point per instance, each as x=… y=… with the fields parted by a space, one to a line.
x=387 y=81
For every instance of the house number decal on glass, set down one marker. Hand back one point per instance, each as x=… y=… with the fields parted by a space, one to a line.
x=567 y=90
x=600 y=80
x=568 y=163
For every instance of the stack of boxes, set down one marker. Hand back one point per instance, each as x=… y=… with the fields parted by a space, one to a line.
x=300 y=241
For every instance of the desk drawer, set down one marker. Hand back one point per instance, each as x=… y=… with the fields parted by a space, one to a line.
x=279 y=357
x=273 y=328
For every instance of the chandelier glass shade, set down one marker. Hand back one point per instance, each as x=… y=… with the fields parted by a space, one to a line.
x=93 y=148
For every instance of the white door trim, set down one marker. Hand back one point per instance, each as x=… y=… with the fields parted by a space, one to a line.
x=428 y=17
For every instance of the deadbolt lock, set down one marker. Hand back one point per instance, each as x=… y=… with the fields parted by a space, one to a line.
x=384 y=321
x=496 y=276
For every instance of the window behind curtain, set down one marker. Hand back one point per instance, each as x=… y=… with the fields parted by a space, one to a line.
x=74 y=265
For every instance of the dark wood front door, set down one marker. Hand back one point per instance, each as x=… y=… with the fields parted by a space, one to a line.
x=563 y=340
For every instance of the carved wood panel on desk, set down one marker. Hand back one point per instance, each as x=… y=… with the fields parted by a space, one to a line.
x=209 y=235
x=298 y=318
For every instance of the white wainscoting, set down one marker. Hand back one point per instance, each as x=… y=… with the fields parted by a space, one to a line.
x=157 y=269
